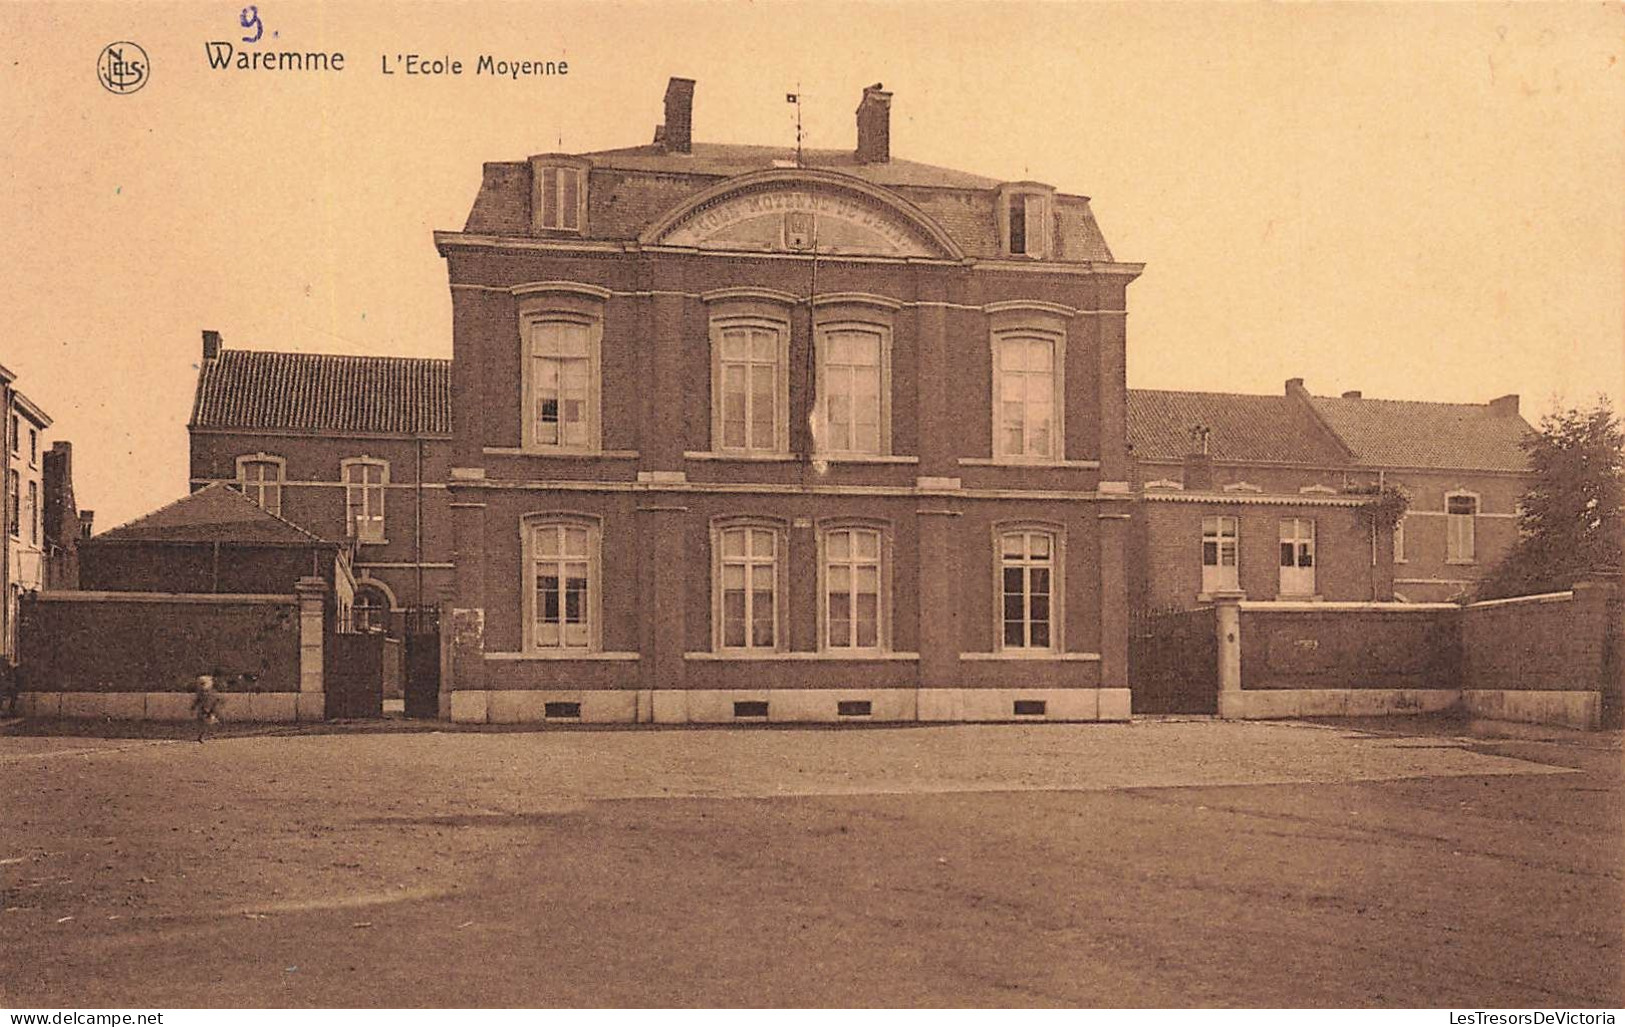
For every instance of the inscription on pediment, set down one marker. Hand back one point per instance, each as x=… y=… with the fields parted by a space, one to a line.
x=799 y=220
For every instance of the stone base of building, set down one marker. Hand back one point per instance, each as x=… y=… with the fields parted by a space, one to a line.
x=1282 y=703
x=280 y=707
x=1582 y=710
x=790 y=706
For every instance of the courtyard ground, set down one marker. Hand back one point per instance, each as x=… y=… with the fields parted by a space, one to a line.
x=1163 y=863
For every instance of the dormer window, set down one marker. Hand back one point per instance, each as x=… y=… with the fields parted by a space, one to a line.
x=1025 y=222
x=559 y=196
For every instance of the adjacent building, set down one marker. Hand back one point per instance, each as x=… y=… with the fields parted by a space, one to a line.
x=1263 y=494
x=43 y=526
x=347 y=447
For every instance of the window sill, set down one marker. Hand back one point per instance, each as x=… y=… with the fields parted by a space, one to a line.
x=370 y=541
x=757 y=458
x=563 y=654
x=980 y=461
x=1299 y=597
x=1018 y=656
x=864 y=458
x=826 y=656
x=1461 y=563
x=561 y=454
x=1207 y=597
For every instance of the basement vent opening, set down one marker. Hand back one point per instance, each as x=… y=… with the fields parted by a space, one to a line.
x=1030 y=707
x=562 y=710
x=853 y=708
x=750 y=708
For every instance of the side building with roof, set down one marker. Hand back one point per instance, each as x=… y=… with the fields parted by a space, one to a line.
x=1262 y=494
x=347 y=447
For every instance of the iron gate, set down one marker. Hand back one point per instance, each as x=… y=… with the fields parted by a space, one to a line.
x=422 y=634
x=1173 y=661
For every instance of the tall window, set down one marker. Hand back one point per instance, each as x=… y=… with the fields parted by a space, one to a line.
x=562 y=384
x=33 y=447
x=1297 y=556
x=1399 y=540
x=749 y=568
x=1219 y=547
x=852 y=389
x=33 y=513
x=560 y=194
x=16 y=433
x=1027 y=576
x=364 y=482
x=1461 y=515
x=562 y=573
x=1025 y=395
x=260 y=478
x=749 y=365
x=14 y=503
x=852 y=588
x=1024 y=219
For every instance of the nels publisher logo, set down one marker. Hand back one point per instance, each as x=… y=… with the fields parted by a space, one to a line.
x=122 y=67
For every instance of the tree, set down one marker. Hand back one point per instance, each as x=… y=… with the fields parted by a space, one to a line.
x=1569 y=522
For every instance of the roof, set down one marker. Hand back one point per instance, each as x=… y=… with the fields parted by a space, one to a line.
x=29 y=409
x=728 y=160
x=1276 y=429
x=324 y=392
x=214 y=513
x=1404 y=433
x=1327 y=432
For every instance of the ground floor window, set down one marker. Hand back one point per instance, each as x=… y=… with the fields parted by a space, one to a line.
x=852 y=588
x=749 y=574
x=1027 y=576
x=563 y=556
x=1297 y=556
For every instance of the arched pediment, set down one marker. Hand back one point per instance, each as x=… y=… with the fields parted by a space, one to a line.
x=790 y=210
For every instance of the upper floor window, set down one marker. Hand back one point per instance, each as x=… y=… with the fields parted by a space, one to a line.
x=1026 y=390
x=748 y=586
x=14 y=503
x=1027 y=562
x=33 y=513
x=1219 y=550
x=562 y=381
x=33 y=447
x=853 y=388
x=563 y=592
x=364 y=487
x=1461 y=515
x=260 y=478
x=1025 y=219
x=16 y=433
x=853 y=580
x=751 y=381
x=560 y=195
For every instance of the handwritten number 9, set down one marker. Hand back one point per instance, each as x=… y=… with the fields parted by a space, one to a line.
x=250 y=19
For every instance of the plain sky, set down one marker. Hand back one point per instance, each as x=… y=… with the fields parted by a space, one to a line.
x=1418 y=201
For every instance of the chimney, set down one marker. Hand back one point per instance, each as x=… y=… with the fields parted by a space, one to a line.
x=1294 y=387
x=874 y=126
x=211 y=344
x=85 y=519
x=1198 y=476
x=1505 y=406
x=677 y=134
x=1352 y=394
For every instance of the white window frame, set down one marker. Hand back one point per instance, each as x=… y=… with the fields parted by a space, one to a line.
x=781 y=540
x=33 y=512
x=33 y=447
x=566 y=217
x=559 y=308
x=842 y=320
x=1214 y=576
x=1298 y=541
x=882 y=531
x=1057 y=586
x=593 y=603
x=756 y=315
x=1030 y=330
x=374 y=530
x=261 y=484
x=1464 y=525
x=1399 y=540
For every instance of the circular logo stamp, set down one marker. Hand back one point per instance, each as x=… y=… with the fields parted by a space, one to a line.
x=122 y=68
